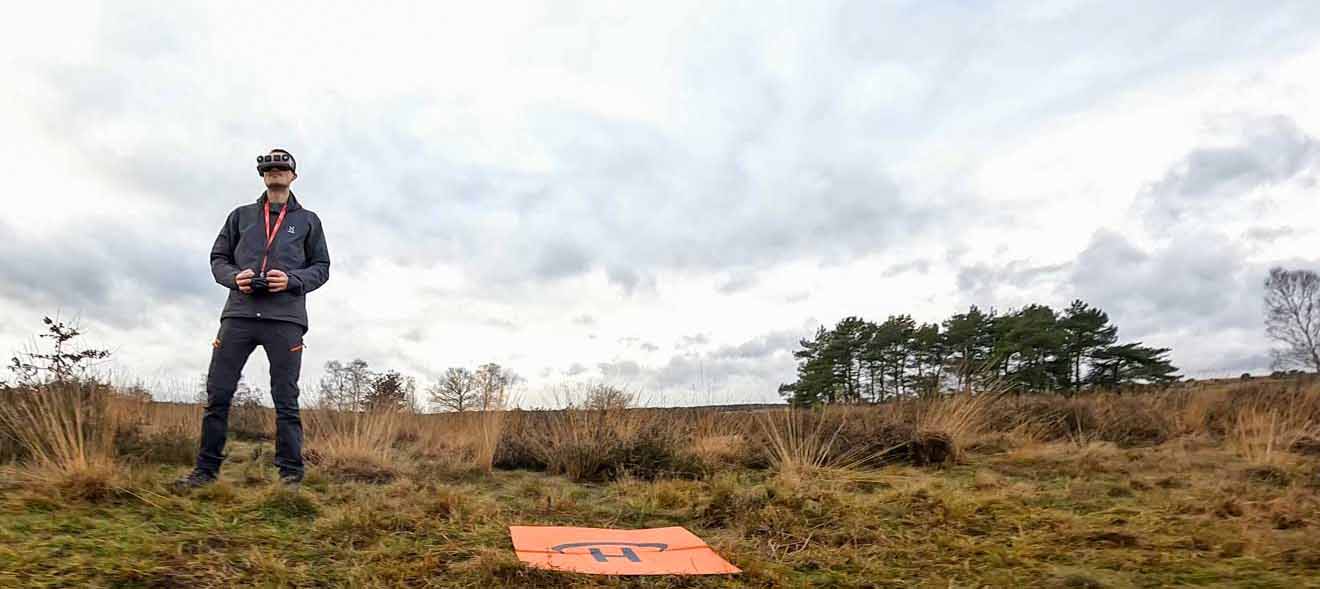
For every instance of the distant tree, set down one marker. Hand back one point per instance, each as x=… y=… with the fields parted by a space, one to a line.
x=1292 y=317
x=1086 y=330
x=815 y=374
x=1131 y=364
x=892 y=347
x=1029 y=349
x=969 y=340
x=492 y=385
x=603 y=397
x=200 y=395
x=844 y=349
x=1032 y=349
x=345 y=386
x=928 y=352
x=390 y=391
x=454 y=391
x=244 y=394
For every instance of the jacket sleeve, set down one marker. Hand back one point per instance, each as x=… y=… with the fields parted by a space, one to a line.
x=222 y=253
x=317 y=272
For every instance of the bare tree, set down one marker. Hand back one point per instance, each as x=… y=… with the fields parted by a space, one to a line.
x=1292 y=317
x=345 y=386
x=492 y=386
x=455 y=391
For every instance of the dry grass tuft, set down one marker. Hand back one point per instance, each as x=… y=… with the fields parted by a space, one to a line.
x=957 y=420
x=1264 y=434
x=596 y=437
x=354 y=445
x=61 y=428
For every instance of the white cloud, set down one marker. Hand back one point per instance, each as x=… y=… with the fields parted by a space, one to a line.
x=572 y=191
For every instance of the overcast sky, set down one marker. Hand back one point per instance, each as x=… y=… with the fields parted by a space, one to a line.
x=660 y=195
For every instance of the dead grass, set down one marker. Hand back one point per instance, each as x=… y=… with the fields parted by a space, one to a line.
x=457 y=441
x=1190 y=487
x=354 y=445
x=1266 y=435
x=61 y=428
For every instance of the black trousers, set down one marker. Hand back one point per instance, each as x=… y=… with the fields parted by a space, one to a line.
x=238 y=337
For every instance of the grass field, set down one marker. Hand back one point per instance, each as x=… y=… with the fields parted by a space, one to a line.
x=1210 y=486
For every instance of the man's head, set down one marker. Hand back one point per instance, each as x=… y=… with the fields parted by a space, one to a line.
x=278 y=169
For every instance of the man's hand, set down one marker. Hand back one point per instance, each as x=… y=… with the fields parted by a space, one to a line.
x=244 y=280
x=277 y=280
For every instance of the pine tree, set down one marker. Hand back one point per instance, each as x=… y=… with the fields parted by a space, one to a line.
x=1132 y=363
x=970 y=341
x=1087 y=330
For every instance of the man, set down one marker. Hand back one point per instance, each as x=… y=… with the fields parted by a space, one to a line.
x=269 y=254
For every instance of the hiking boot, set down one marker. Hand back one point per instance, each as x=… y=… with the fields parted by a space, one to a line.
x=291 y=481
x=196 y=478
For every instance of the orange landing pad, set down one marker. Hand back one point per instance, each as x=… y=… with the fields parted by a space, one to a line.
x=599 y=551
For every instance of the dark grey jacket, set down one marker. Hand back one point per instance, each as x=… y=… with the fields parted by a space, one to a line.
x=299 y=250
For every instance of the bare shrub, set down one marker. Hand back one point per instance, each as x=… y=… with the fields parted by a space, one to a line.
x=1130 y=421
x=597 y=436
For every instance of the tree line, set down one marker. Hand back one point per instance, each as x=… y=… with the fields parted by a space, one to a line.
x=354 y=386
x=1034 y=349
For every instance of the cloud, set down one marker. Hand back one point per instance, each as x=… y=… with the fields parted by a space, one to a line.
x=1265 y=152
x=113 y=272
x=506 y=170
x=749 y=371
x=736 y=282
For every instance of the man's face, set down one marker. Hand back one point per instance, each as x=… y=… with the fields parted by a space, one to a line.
x=278 y=178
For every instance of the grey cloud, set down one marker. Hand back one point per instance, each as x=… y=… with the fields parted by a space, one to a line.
x=748 y=371
x=1198 y=281
x=559 y=259
x=100 y=271
x=584 y=319
x=1271 y=150
x=1269 y=234
x=979 y=282
x=575 y=369
x=626 y=369
x=650 y=347
x=737 y=282
x=919 y=266
x=630 y=279
x=760 y=346
x=769 y=164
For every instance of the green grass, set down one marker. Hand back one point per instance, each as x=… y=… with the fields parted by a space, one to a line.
x=1043 y=515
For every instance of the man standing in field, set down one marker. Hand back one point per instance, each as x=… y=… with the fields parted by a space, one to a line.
x=269 y=254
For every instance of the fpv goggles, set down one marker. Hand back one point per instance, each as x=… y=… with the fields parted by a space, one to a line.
x=275 y=161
